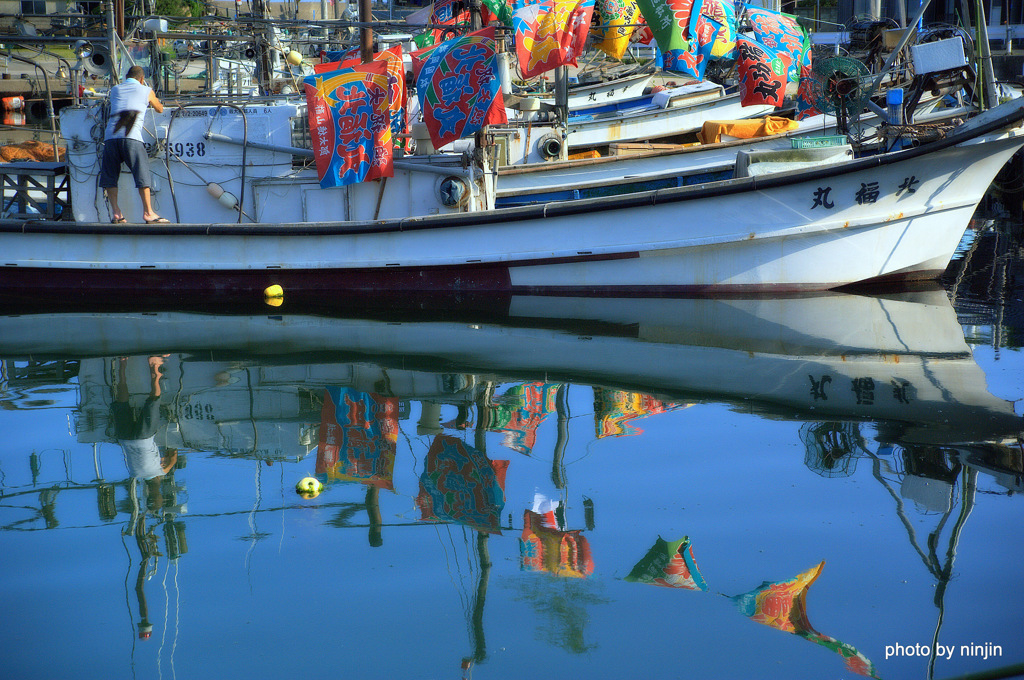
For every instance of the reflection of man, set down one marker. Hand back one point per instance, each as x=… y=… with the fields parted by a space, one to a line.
x=135 y=430
x=123 y=142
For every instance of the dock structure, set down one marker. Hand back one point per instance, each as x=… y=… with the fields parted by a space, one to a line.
x=35 y=190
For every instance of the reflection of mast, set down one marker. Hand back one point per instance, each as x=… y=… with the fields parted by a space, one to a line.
x=942 y=572
x=968 y=477
x=476 y=628
x=373 y=516
x=562 y=410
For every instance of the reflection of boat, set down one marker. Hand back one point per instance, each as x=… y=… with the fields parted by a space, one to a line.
x=904 y=364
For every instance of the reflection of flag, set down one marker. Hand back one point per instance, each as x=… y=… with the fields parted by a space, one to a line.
x=618 y=19
x=780 y=604
x=358 y=432
x=396 y=81
x=670 y=565
x=350 y=124
x=550 y=33
x=543 y=547
x=782 y=33
x=459 y=89
x=614 y=409
x=783 y=606
x=459 y=484
x=519 y=411
x=762 y=74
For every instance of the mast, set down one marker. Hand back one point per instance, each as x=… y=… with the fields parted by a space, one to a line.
x=365 y=30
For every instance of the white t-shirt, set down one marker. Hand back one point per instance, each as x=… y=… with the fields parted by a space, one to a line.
x=142 y=457
x=131 y=95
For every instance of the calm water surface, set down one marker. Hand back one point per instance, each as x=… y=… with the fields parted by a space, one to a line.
x=816 y=487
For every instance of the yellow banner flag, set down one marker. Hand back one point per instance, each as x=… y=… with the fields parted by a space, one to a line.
x=618 y=21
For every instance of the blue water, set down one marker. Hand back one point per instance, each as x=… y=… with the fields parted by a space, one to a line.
x=703 y=419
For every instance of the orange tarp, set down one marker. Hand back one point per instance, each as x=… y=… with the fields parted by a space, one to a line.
x=744 y=129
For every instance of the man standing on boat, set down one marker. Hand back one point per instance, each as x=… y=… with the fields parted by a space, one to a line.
x=123 y=142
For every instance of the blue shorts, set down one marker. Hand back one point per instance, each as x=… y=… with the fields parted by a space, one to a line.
x=132 y=153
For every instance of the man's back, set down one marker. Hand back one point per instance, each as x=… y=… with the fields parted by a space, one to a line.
x=129 y=96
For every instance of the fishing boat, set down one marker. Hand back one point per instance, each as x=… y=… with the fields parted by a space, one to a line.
x=892 y=216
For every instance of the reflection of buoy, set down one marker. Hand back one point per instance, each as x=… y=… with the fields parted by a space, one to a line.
x=309 y=487
x=16 y=118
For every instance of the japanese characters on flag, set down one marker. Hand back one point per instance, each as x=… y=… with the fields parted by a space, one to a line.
x=724 y=12
x=459 y=89
x=684 y=33
x=618 y=20
x=762 y=73
x=550 y=33
x=396 y=82
x=350 y=124
x=782 y=33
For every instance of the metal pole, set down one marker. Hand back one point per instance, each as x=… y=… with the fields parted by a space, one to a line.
x=366 y=33
x=115 y=71
x=985 y=58
x=899 y=48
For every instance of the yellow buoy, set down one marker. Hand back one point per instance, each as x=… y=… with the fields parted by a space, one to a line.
x=273 y=295
x=309 y=487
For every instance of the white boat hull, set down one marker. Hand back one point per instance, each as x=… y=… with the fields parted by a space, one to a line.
x=897 y=216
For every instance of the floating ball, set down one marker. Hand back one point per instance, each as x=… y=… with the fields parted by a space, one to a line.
x=273 y=295
x=309 y=487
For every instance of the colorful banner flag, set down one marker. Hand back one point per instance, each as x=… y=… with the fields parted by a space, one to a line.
x=783 y=605
x=358 y=434
x=459 y=484
x=723 y=12
x=614 y=410
x=544 y=547
x=459 y=89
x=669 y=22
x=618 y=20
x=396 y=81
x=330 y=56
x=550 y=33
x=806 y=94
x=669 y=564
x=782 y=33
x=456 y=17
x=762 y=73
x=500 y=11
x=350 y=124
x=685 y=35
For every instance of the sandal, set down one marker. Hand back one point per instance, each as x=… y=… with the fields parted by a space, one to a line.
x=158 y=220
x=118 y=220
